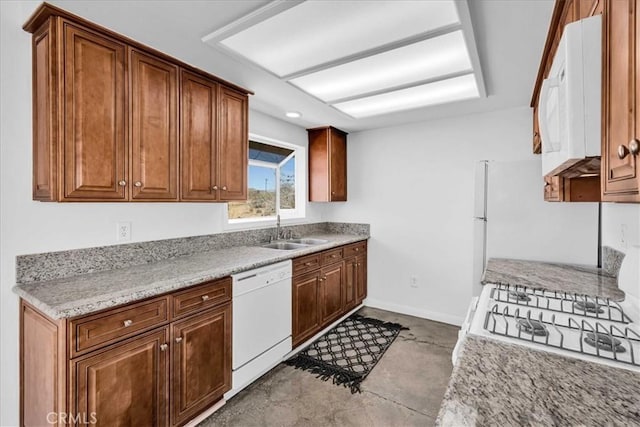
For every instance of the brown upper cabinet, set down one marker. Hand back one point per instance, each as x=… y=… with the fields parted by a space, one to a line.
x=621 y=102
x=327 y=165
x=107 y=123
x=153 y=127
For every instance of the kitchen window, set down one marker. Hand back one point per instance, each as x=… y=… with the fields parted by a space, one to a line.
x=275 y=181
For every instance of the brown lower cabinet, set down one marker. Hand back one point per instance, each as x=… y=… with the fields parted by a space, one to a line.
x=157 y=362
x=326 y=286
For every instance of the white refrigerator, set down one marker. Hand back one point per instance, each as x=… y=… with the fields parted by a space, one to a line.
x=512 y=220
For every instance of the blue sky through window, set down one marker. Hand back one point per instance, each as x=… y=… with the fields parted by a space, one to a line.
x=261 y=177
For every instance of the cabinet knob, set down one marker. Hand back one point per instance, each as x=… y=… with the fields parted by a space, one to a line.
x=357 y=249
x=127 y=323
x=634 y=146
x=224 y=188
x=164 y=347
x=138 y=184
x=214 y=188
x=122 y=183
x=205 y=297
x=333 y=192
x=178 y=339
x=622 y=151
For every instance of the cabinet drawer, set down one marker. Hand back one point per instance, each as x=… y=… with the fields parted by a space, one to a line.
x=306 y=263
x=331 y=256
x=355 y=249
x=98 y=330
x=201 y=297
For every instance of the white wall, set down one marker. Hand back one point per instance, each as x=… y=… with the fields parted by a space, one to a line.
x=414 y=185
x=32 y=227
x=620 y=225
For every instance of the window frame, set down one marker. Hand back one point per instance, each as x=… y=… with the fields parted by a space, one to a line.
x=286 y=215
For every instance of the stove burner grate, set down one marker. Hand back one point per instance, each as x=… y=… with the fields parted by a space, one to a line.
x=604 y=342
x=535 y=327
x=588 y=306
x=519 y=296
x=560 y=302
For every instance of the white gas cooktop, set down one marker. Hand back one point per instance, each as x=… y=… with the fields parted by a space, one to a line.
x=589 y=328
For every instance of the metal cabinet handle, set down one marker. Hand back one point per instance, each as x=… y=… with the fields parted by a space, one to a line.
x=178 y=339
x=357 y=249
x=163 y=347
x=127 y=323
x=622 y=151
x=334 y=255
x=122 y=183
x=307 y=263
x=214 y=188
x=633 y=149
x=205 y=297
x=138 y=184
x=224 y=188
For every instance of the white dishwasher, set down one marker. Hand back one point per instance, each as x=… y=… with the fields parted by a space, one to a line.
x=261 y=322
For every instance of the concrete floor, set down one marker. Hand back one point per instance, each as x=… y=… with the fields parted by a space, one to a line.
x=404 y=389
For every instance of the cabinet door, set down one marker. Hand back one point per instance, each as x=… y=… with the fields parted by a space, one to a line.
x=199 y=135
x=94 y=143
x=201 y=365
x=361 y=282
x=350 y=283
x=123 y=386
x=620 y=170
x=338 y=166
x=233 y=145
x=154 y=128
x=331 y=293
x=306 y=315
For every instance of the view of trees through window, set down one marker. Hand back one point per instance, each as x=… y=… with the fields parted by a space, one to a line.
x=271 y=173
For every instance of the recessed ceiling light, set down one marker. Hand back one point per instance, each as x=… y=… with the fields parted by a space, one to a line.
x=293 y=114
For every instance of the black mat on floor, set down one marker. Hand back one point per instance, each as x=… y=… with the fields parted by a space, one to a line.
x=349 y=351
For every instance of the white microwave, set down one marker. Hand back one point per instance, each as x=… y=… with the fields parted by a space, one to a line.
x=569 y=109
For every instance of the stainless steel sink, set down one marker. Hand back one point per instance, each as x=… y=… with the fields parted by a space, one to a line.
x=309 y=241
x=285 y=246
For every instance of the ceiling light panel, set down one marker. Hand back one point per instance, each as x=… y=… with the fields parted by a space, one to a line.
x=418 y=62
x=440 y=92
x=318 y=32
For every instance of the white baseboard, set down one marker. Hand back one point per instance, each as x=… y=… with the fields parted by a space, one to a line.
x=413 y=311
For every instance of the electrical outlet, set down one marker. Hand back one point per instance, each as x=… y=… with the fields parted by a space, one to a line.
x=413 y=282
x=123 y=231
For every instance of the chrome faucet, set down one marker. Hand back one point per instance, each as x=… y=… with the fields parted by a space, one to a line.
x=278 y=227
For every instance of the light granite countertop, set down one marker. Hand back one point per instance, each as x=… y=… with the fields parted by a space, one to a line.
x=499 y=384
x=553 y=276
x=87 y=293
